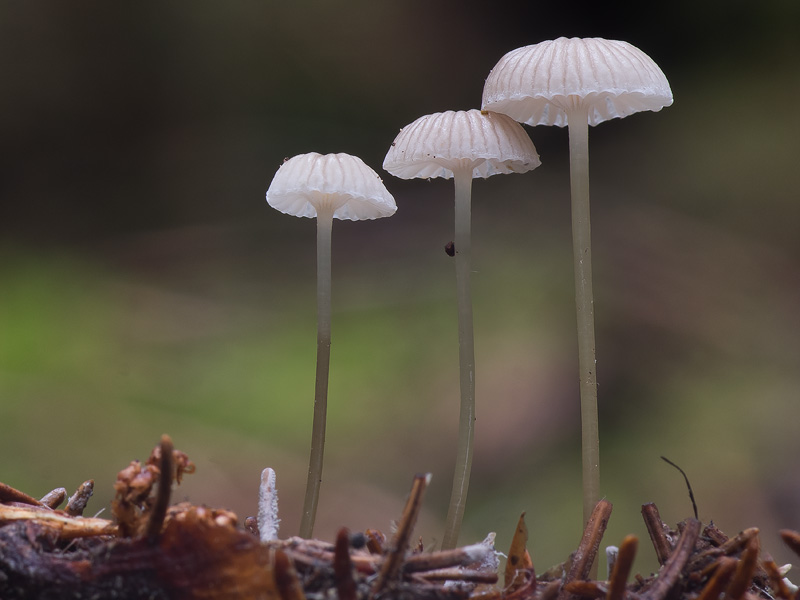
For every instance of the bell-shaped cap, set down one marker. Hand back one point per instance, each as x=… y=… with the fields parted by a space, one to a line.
x=537 y=84
x=306 y=182
x=436 y=145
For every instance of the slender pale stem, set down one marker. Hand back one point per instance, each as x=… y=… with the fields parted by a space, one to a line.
x=584 y=303
x=466 y=355
x=324 y=227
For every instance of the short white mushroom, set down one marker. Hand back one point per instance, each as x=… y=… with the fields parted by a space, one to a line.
x=578 y=82
x=330 y=186
x=461 y=145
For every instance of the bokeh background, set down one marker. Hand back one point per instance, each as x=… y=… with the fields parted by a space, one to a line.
x=146 y=287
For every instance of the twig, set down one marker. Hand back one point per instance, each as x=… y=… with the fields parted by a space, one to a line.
x=166 y=467
x=713 y=533
x=739 y=542
x=472 y=575
x=656 y=529
x=54 y=498
x=311 y=556
x=446 y=558
x=791 y=539
x=725 y=567
x=670 y=572
x=728 y=547
x=776 y=579
x=586 y=589
x=622 y=568
x=745 y=568
x=343 y=567
x=67 y=527
x=587 y=550
x=488 y=594
x=286 y=579
x=394 y=557
x=9 y=494
x=78 y=501
x=551 y=590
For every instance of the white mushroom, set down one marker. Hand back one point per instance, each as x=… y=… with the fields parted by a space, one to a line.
x=578 y=82
x=330 y=186
x=461 y=145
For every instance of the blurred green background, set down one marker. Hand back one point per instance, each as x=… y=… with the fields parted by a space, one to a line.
x=146 y=287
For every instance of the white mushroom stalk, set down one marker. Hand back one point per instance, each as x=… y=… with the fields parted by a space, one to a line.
x=462 y=145
x=578 y=82
x=330 y=186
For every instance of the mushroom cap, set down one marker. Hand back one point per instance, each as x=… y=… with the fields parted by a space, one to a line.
x=537 y=84
x=435 y=145
x=306 y=182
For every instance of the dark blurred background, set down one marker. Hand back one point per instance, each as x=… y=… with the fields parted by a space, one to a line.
x=146 y=287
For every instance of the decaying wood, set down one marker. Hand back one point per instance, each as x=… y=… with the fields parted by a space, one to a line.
x=157 y=551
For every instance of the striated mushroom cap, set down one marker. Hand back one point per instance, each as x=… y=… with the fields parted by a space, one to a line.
x=537 y=84
x=435 y=145
x=344 y=182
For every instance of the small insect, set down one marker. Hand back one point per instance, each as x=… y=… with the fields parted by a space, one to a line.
x=450 y=249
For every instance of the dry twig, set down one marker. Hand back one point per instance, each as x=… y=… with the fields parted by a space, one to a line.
x=670 y=572
x=586 y=553
x=78 y=501
x=745 y=569
x=723 y=572
x=396 y=554
x=187 y=551
x=54 y=498
x=657 y=530
x=343 y=567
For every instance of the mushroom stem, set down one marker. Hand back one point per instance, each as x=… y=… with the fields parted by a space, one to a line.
x=466 y=354
x=578 y=119
x=324 y=227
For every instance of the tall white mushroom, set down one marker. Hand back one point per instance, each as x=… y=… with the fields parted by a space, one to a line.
x=461 y=145
x=578 y=82
x=330 y=186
